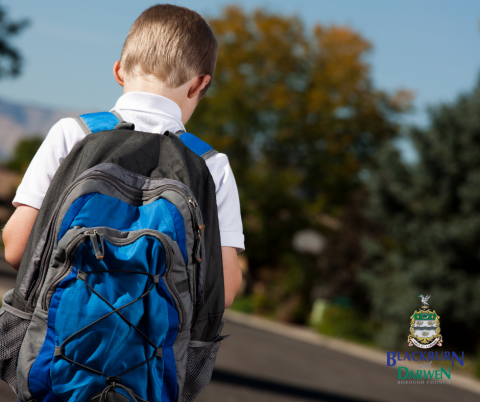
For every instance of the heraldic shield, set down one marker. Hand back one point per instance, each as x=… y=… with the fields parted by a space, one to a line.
x=425 y=327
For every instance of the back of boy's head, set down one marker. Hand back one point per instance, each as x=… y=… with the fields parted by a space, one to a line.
x=175 y=44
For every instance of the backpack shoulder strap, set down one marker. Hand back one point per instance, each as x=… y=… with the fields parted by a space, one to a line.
x=95 y=122
x=196 y=145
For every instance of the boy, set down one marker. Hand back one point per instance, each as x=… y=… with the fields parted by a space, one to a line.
x=166 y=67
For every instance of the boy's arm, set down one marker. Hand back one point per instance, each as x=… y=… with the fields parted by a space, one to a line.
x=16 y=232
x=230 y=223
x=231 y=273
x=29 y=197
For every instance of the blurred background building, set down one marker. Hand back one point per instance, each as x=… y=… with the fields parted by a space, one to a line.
x=353 y=130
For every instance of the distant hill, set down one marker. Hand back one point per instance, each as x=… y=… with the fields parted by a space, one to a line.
x=18 y=121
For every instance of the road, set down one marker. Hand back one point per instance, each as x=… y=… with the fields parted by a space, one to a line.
x=259 y=366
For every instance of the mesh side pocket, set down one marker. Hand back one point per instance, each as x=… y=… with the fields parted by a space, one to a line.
x=200 y=363
x=13 y=328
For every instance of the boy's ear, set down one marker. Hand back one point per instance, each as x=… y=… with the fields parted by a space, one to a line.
x=118 y=73
x=199 y=83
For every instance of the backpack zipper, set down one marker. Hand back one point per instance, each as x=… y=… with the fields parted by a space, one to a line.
x=90 y=233
x=190 y=200
x=72 y=247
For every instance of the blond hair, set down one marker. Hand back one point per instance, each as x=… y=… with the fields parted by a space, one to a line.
x=175 y=44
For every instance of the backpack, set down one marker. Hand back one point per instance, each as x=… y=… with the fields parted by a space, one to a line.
x=120 y=292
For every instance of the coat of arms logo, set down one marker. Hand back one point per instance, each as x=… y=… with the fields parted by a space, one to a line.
x=425 y=327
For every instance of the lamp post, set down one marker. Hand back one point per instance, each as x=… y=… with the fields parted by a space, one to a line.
x=311 y=242
x=308 y=241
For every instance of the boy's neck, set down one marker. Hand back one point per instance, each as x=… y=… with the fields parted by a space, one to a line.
x=153 y=85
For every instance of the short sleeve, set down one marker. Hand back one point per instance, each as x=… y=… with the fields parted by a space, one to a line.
x=228 y=202
x=60 y=140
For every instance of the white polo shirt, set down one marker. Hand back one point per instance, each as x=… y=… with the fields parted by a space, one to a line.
x=152 y=114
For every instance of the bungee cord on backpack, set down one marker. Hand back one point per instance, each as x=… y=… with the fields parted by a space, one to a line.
x=112 y=381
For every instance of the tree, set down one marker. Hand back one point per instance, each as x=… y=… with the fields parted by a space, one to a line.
x=10 y=57
x=299 y=118
x=429 y=214
x=24 y=152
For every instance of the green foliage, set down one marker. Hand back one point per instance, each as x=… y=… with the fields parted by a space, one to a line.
x=299 y=118
x=429 y=214
x=244 y=304
x=10 y=58
x=23 y=154
x=346 y=322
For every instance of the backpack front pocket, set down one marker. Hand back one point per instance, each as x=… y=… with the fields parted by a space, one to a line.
x=114 y=314
x=13 y=327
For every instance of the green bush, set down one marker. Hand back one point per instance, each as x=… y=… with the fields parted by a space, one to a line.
x=243 y=304
x=346 y=322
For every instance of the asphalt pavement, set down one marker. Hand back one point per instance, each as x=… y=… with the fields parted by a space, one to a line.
x=256 y=365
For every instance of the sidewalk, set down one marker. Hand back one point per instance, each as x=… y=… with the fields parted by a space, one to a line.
x=309 y=335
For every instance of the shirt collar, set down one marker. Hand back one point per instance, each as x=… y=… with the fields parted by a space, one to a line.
x=147 y=102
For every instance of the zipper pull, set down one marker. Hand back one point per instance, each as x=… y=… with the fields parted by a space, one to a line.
x=198 y=220
x=198 y=243
x=99 y=251
x=102 y=244
x=198 y=248
x=200 y=228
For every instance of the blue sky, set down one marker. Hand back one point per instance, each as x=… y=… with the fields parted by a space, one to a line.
x=431 y=47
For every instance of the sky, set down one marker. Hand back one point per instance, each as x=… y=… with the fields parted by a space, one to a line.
x=431 y=47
